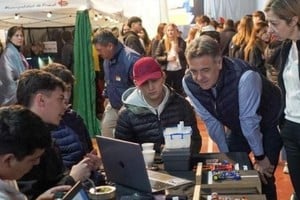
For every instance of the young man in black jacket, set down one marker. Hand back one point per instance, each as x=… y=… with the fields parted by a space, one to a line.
x=151 y=106
x=131 y=38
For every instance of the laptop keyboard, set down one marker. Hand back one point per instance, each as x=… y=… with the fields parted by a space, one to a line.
x=159 y=176
x=157 y=185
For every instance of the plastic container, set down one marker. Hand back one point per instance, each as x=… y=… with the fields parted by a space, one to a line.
x=176 y=159
x=178 y=137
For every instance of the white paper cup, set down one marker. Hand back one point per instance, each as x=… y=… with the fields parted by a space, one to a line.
x=147 y=146
x=148 y=157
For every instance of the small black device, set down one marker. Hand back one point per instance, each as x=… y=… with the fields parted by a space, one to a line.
x=76 y=192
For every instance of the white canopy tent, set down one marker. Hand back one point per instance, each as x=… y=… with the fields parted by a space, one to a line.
x=103 y=13
x=33 y=13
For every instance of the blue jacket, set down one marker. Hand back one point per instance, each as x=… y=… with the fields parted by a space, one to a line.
x=118 y=74
x=72 y=138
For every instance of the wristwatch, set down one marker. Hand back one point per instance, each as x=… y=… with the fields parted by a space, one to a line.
x=259 y=158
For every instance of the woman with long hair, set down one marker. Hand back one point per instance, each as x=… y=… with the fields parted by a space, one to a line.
x=255 y=48
x=159 y=35
x=170 y=54
x=241 y=38
x=145 y=40
x=284 y=22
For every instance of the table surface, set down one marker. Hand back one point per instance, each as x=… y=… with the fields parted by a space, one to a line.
x=188 y=189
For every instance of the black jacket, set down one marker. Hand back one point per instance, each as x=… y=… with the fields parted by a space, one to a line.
x=225 y=39
x=72 y=138
x=256 y=59
x=161 y=53
x=48 y=173
x=137 y=123
x=132 y=40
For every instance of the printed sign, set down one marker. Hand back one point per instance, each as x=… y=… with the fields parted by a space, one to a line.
x=37 y=5
x=50 y=47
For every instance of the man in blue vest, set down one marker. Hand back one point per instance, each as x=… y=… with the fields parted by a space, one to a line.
x=230 y=93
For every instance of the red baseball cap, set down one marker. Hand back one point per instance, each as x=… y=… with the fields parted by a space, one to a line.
x=145 y=69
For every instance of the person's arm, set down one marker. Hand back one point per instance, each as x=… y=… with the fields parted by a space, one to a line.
x=250 y=89
x=50 y=194
x=215 y=128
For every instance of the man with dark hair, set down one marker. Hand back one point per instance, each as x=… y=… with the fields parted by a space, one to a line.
x=71 y=135
x=43 y=94
x=118 y=63
x=229 y=92
x=131 y=38
x=23 y=140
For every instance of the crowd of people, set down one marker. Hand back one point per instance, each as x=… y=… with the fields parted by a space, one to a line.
x=240 y=77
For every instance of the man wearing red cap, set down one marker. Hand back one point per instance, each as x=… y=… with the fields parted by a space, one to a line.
x=151 y=106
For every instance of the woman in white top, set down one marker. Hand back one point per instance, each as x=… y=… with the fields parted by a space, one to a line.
x=284 y=21
x=170 y=54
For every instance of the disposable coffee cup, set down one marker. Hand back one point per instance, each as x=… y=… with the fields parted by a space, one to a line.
x=147 y=146
x=148 y=157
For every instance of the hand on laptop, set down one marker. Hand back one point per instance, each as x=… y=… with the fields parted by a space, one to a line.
x=81 y=171
x=50 y=194
x=94 y=161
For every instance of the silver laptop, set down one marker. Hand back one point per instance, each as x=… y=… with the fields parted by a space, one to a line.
x=124 y=164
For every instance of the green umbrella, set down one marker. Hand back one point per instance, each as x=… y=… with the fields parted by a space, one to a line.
x=84 y=90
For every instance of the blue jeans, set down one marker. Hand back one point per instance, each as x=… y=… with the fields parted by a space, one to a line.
x=272 y=144
x=290 y=134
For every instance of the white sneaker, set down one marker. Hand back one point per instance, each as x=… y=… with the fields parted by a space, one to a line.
x=293 y=197
x=285 y=168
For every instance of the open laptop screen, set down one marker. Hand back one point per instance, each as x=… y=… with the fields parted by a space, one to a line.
x=124 y=163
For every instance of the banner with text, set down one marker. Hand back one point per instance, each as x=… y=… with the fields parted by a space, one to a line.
x=16 y=6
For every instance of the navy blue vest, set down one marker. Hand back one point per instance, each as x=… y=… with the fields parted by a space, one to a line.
x=225 y=106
